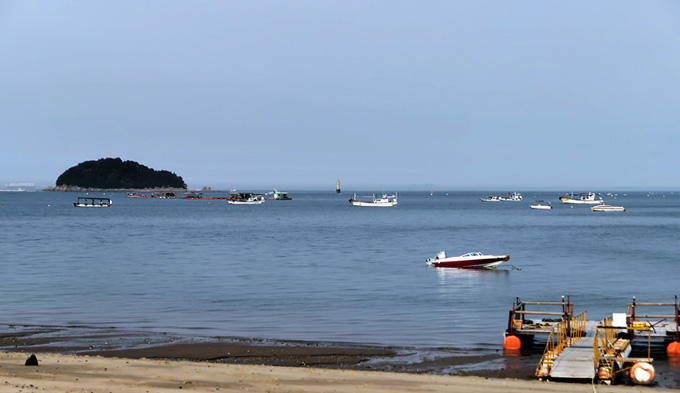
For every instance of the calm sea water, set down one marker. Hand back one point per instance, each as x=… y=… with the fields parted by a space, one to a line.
x=316 y=268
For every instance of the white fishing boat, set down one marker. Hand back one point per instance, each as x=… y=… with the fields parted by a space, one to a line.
x=469 y=260
x=92 y=202
x=539 y=205
x=252 y=200
x=383 y=201
x=589 y=198
x=607 y=208
x=491 y=198
x=513 y=197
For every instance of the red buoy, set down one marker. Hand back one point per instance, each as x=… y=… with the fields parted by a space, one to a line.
x=673 y=348
x=512 y=342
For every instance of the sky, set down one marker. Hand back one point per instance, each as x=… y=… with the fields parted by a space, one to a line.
x=450 y=94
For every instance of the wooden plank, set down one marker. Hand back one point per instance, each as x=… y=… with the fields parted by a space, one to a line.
x=539 y=313
x=634 y=360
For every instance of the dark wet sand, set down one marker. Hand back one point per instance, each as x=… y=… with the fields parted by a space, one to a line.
x=108 y=342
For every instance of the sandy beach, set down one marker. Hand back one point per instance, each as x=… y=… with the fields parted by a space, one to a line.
x=72 y=373
x=75 y=359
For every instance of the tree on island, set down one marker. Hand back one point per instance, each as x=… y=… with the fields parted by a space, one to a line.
x=114 y=173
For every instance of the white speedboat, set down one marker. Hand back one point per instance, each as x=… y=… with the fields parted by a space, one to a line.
x=383 y=201
x=469 y=260
x=540 y=206
x=253 y=200
x=582 y=199
x=607 y=208
x=92 y=202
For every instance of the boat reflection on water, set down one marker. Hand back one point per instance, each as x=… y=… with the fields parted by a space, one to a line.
x=445 y=274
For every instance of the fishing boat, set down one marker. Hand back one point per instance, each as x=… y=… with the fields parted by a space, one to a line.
x=383 y=201
x=513 y=197
x=589 y=198
x=279 y=196
x=607 y=208
x=491 y=198
x=92 y=202
x=469 y=260
x=540 y=206
x=246 y=199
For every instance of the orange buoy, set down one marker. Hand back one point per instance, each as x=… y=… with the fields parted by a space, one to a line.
x=604 y=373
x=642 y=373
x=512 y=342
x=673 y=348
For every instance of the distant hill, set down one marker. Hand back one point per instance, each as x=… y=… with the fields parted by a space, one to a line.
x=114 y=173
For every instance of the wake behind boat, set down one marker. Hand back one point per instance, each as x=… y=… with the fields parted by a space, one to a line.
x=384 y=201
x=469 y=260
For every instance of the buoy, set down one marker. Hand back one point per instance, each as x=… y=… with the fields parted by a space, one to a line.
x=642 y=373
x=512 y=342
x=604 y=373
x=673 y=348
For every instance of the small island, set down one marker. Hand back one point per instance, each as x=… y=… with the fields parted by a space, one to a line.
x=116 y=174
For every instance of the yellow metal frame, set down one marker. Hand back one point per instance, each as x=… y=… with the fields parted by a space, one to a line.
x=562 y=335
x=605 y=336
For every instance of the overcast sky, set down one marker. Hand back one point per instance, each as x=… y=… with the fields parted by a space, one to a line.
x=297 y=94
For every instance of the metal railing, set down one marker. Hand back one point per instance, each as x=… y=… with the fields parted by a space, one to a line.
x=518 y=312
x=562 y=335
x=606 y=357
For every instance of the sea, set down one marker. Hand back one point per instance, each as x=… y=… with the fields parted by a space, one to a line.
x=317 y=269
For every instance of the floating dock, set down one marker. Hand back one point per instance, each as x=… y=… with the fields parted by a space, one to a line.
x=577 y=349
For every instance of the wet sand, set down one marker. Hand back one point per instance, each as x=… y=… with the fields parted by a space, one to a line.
x=73 y=358
x=70 y=373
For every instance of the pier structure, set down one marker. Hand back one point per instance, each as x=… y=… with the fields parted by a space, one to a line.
x=578 y=349
x=524 y=330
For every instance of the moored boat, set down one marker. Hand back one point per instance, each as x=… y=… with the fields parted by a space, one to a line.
x=540 y=206
x=279 y=196
x=383 y=201
x=589 y=198
x=256 y=200
x=245 y=199
x=607 y=208
x=491 y=198
x=92 y=202
x=513 y=197
x=469 y=260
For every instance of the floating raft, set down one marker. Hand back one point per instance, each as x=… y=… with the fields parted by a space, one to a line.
x=578 y=349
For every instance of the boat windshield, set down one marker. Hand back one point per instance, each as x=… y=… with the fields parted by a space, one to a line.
x=473 y=254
